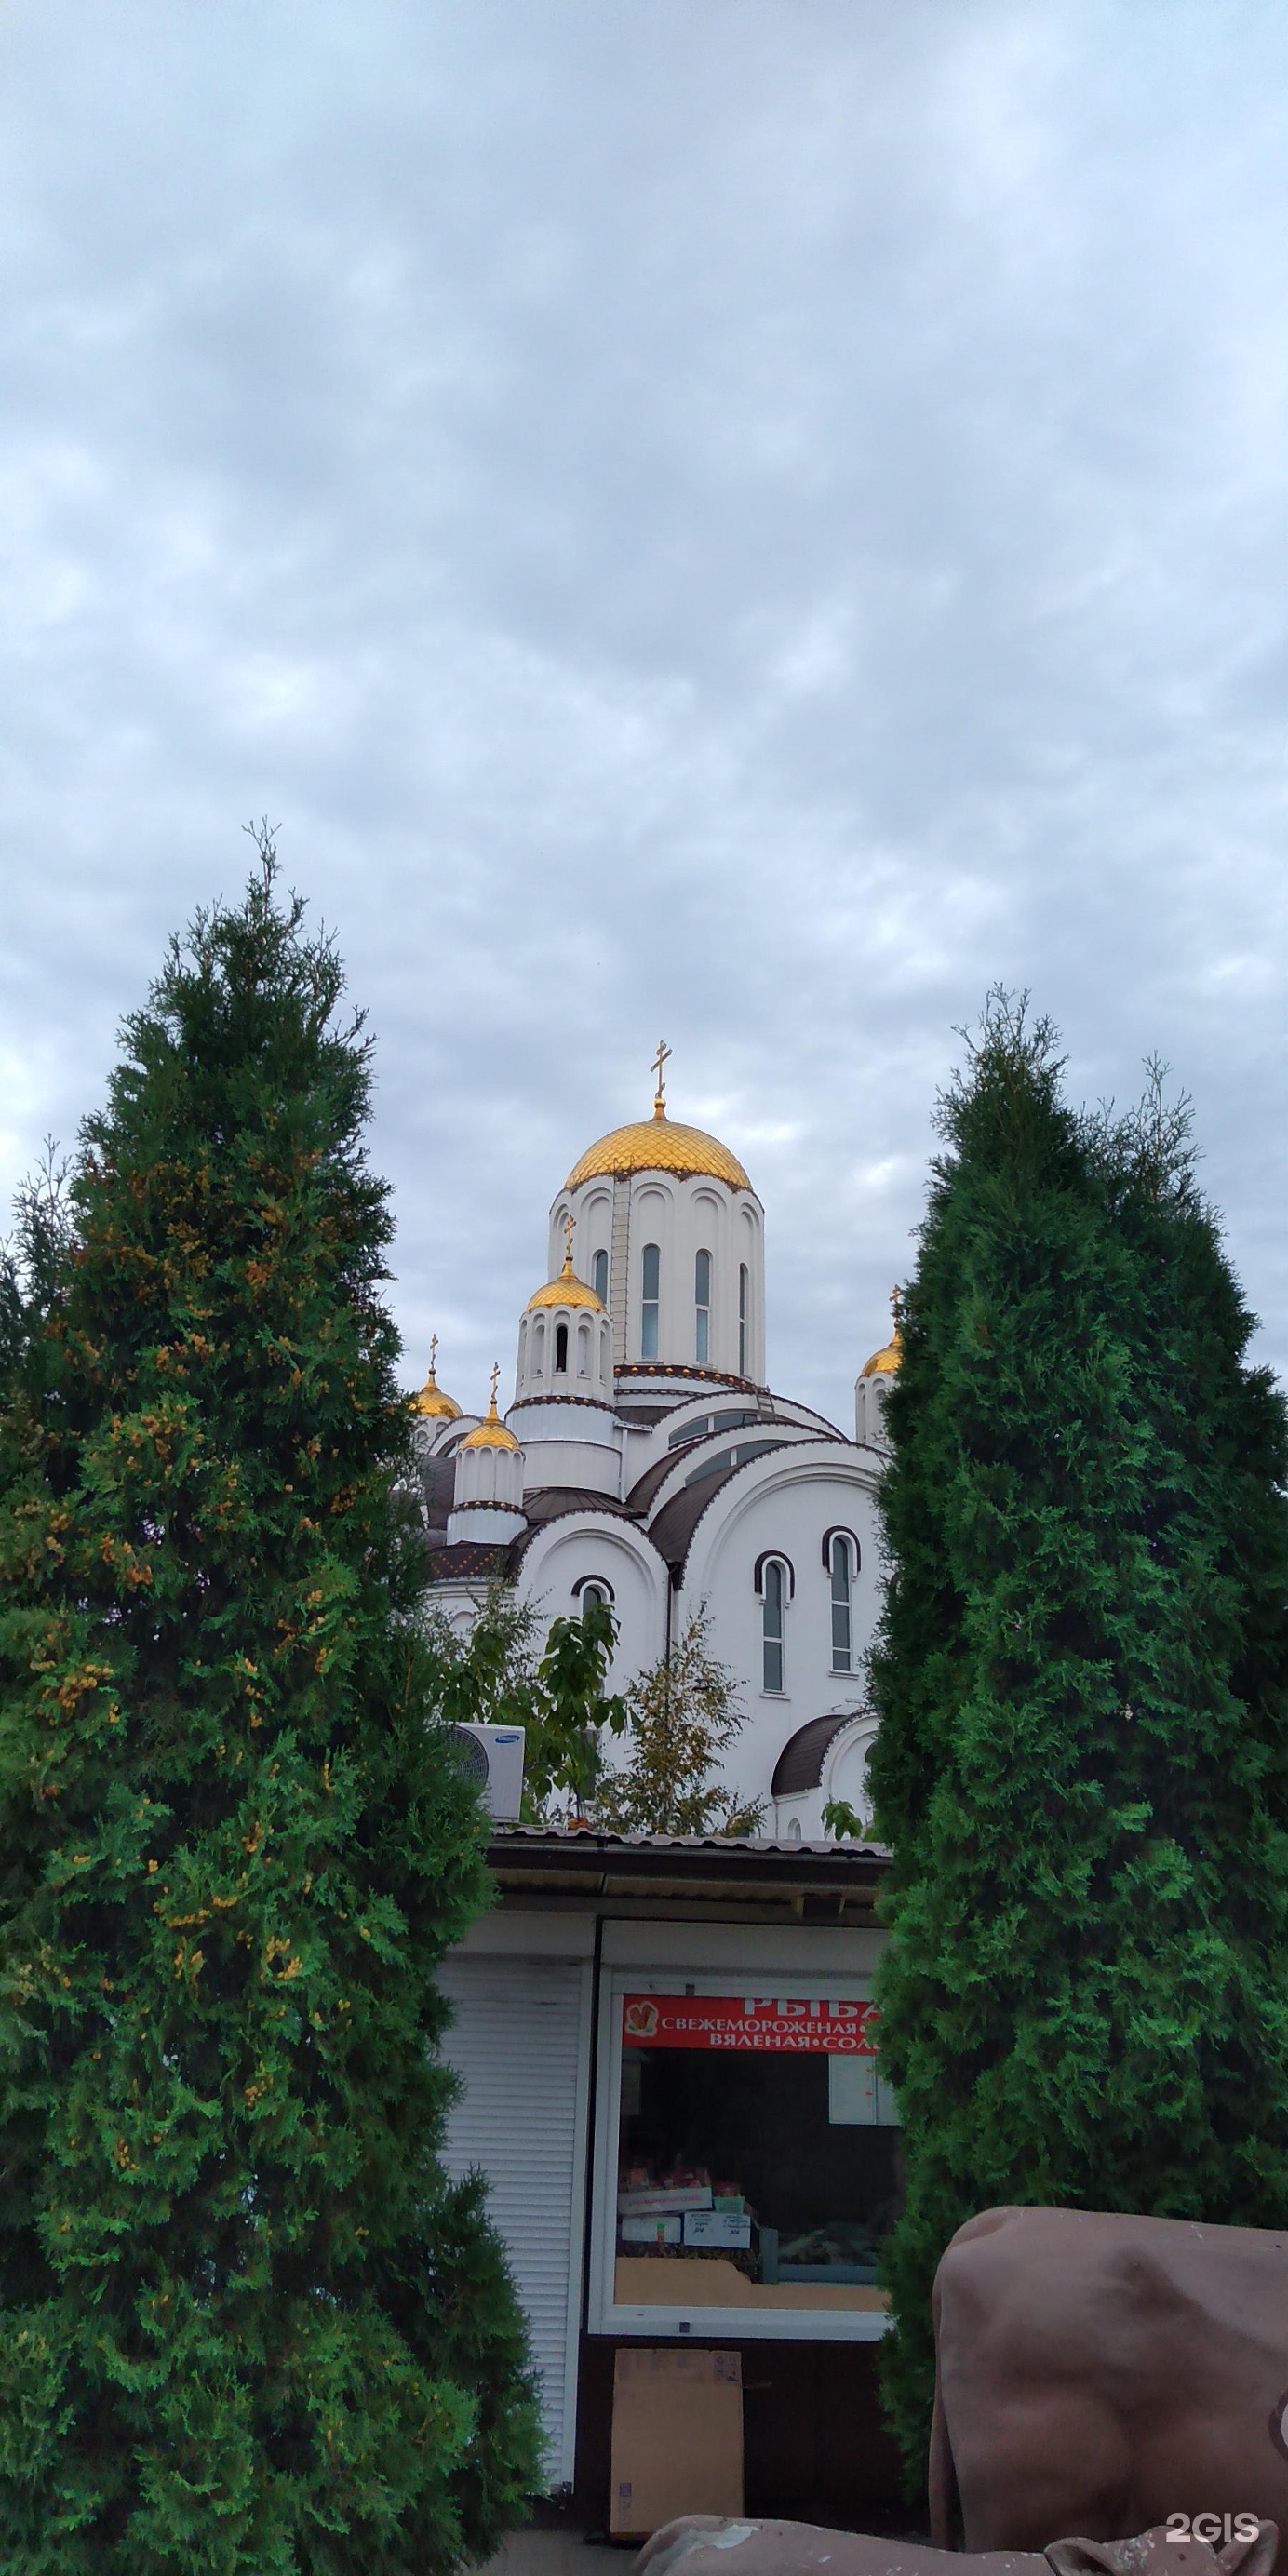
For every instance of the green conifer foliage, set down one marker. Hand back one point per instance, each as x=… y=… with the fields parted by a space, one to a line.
x=1082 y=1680
x=246 y=2324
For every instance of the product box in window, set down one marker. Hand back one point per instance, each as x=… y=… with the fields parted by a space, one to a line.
x=650 y=2231
x=646 y=2196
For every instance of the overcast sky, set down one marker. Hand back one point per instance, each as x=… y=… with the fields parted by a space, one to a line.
x=744 y=521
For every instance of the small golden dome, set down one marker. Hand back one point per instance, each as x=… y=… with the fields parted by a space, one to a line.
x=884 y=1361
x=887 y=1358
x=657 y=1144
x=491 y=1432
x=431 y=1399
x=567 y=1289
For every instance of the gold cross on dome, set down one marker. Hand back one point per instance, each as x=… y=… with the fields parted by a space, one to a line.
x=896 y=1306
x=496 y=1380
x=433 y=1353
x=659 y=1060
x=570 y=1227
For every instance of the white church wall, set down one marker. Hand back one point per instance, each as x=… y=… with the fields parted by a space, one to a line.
x=783 y=1505
x=566 y=1554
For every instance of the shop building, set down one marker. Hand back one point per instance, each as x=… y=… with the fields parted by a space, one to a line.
x=669 y=2077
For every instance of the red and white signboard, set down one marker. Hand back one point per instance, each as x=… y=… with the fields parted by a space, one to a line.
x=768 y=2023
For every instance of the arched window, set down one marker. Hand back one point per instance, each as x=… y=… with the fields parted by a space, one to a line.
x=702 y=1304
x=561 y=1350
x=583 y=1350
x=599 y=1277
x=650 y=1279
x=744 y=1300
x=538 y=1349
x=842 y=1572
x=773 y=1598
x=593 y=1592
x=595 y=1583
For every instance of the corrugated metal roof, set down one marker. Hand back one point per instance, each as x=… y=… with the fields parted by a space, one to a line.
x=744 y=1846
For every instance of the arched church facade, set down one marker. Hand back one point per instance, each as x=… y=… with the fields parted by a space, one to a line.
x=645 y=1455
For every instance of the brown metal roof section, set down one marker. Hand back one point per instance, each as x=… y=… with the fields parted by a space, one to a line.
x=527 y=1860
x=468 y=1562
x=672 y=1531
x=644 y=1488
x=438 y=1480
x=800 y=1764
x=555 y=1502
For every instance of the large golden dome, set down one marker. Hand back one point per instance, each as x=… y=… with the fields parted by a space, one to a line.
x=658 y=1144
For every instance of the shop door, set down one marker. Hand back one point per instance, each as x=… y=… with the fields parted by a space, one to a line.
x=521 y=2043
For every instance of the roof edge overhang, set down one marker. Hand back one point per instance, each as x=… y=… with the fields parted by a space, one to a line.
x=608 y=1864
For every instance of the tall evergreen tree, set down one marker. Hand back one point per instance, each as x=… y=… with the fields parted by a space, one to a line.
x=1082 y=1681
x=246 y=2324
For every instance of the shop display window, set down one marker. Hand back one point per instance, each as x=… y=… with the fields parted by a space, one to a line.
x=758 y=2163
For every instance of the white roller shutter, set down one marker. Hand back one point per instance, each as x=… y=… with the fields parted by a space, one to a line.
x=521 y=2043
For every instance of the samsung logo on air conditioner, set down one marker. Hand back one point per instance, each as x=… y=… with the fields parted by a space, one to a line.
x=493 y=1757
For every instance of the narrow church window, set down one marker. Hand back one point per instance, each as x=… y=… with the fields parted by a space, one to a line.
x=600 y=1280
x=538 y=1350
x=744 y=1285
x=561 y=1350
x=651 y=1273
x=842 y=1591
x=593 y=1592
x=772 y=1626
x=583 y=1350
x=702 y=1302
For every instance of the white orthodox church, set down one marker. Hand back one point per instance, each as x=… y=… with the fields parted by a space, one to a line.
x=645 y=1459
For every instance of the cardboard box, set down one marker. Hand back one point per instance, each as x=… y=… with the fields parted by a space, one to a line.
x=662 y=2197
x=650 y=2231
x=677 y=2436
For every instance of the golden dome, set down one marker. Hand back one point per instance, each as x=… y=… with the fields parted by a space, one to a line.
x=491 y=1432
x=567 y=1289
x=657 y=1144
x=431 y=1399
x=889 y=1356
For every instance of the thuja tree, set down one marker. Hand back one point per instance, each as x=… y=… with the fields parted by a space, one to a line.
x=246 y=2324
x=1082 y=1681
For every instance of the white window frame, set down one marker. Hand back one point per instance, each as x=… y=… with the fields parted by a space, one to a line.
x=702 y=1311
x=779 y=1564
x=841 y=1539
x=650 y=1307
x=743 y=2325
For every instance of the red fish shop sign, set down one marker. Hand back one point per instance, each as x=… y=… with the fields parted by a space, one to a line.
x=767 y=2023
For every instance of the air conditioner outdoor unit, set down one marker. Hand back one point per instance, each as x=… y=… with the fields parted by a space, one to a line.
x=493 y=1756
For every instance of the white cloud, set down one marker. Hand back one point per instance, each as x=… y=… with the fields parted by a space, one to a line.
x=749 y=521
